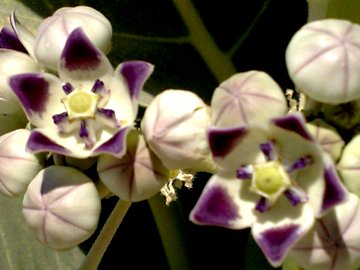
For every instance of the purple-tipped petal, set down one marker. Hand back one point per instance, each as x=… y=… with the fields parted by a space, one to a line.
x=244 y=172
x=262 y=205
x=135 y=74
x=276 y=242
x=79 y=53
x=268 y=150
x=9 y=40
x=38 y=142
x=32 y=91
x=295 y=195
x=300 y=163
x=116 y=145
x=216 y=208
x=295 y=123
x=223 y=140
x=57 y=118
x=334 y=192
x=68 y=88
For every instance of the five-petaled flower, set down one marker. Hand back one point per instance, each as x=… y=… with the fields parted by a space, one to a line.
x=274 y=179
x=89 y=109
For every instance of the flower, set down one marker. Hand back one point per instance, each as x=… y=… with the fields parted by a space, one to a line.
x=136 y=176
x=174 y=126
x=333 y=242
x=252 y=96
x=274 y=179
x=62 y=206
x=89 y=109
x=48 y=43
x=326 y=49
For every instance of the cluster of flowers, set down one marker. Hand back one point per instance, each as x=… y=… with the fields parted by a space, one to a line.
x=68 y=121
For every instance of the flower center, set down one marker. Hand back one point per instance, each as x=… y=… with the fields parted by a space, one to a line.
x=81 y=104
x=270 y=179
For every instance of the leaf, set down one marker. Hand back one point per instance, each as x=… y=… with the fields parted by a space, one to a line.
x=19 y=248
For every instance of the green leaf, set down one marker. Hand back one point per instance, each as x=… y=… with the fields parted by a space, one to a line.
x=19 y=248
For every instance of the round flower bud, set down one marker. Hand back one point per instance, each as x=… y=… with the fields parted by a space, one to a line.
x=247 y=98
x=349 y=165
x=12 y=63
x=174 y=126
x=323 y=60
x=62 y=206
x=14 y=157
x=138 y=175
x=54 y=31
x=328 y=138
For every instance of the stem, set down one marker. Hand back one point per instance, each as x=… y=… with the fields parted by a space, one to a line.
x=171 y=227
x=107 y=232
x=219 y=64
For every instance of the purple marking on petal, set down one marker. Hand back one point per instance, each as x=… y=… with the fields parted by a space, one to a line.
x=262 y=205
x=300 y=163
x=98 y=85
x=295 y=195
x=116 y=145
x=79 y=53
x=83 y=132
x=38 y=142
x=135 y=74
x=215 y=207
x=244 y=172
x=68 y=88
x=293 y=123
x=108 y=113
x=57 y=118
x=32 y=91
x=223 y=140
x=275 y=242
x=268 y=150
x=334 y=192
x=9 y=40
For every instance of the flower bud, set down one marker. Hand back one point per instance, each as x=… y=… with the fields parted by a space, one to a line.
x=62 y=206
x=14 y=157
x=324 y=62
x=12 y=63
x=174 y=126
x=138 y=175
x=349 y=165
x=54 y=31
x=328 y=138
x=247 y=98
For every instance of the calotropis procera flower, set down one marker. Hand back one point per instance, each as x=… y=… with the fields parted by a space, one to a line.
x=252 y=96
x=47 y=45
x=334 y=241
x=14 y=155
x=136 y=176
x=174 y=126
x=274 y=179
x=349 y=165
x=62 y=206
x=328 y=49
x=89 y=109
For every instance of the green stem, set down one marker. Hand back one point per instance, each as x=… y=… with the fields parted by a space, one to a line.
x=171 y=227
x=108 y=231
x=219 y=64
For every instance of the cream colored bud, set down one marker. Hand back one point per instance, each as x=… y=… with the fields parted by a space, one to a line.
x=138 y=175
x=54 y=31
x=17 y=166
x=174 y=126
x=247 y=98
x=323 y=60
x=62 y=206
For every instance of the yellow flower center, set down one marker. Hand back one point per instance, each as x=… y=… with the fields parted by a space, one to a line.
x=270 y=179
x=81 y=104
